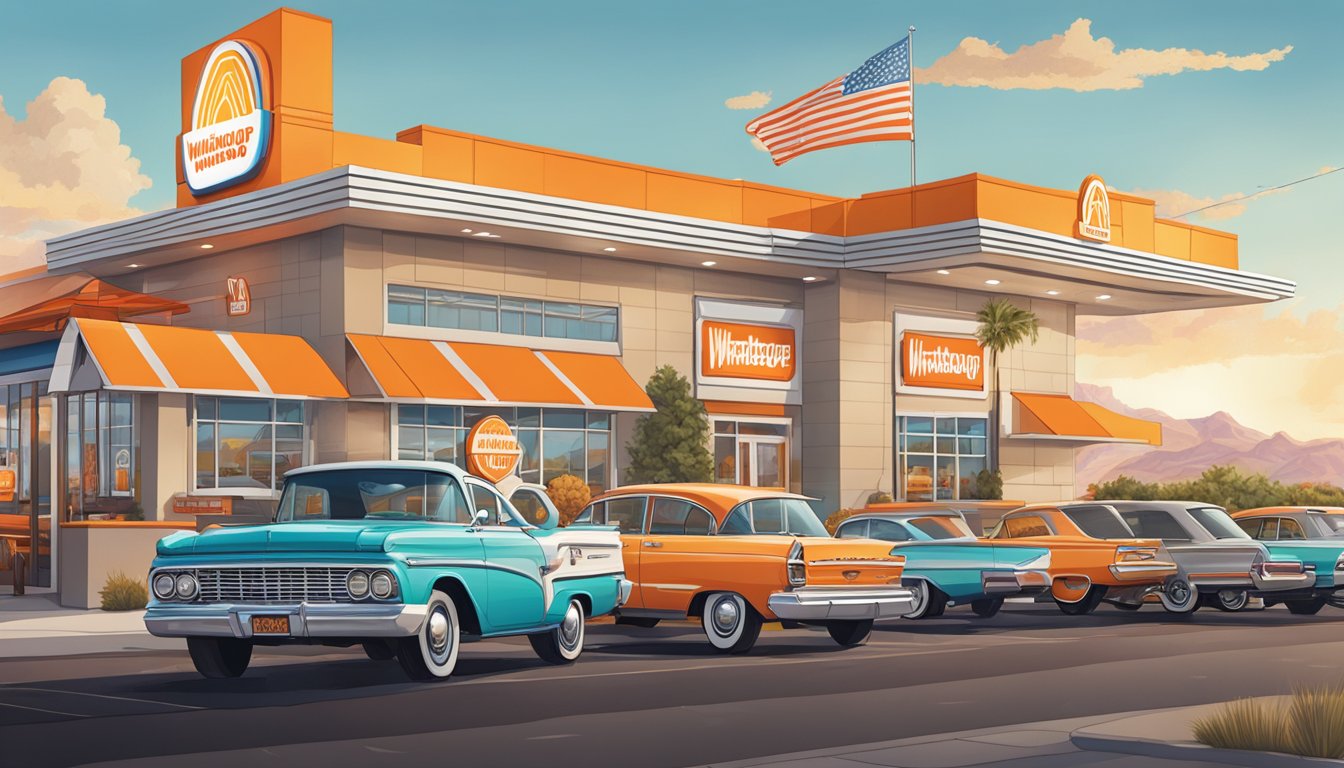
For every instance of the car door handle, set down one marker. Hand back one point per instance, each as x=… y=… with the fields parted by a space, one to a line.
x=653 y=543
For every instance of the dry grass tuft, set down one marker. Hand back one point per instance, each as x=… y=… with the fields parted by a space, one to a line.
x=1310 y=724
x=122 y=593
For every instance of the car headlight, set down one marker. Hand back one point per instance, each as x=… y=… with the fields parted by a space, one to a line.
x=185 y=586
x=165 y=586
x=357 y=584
x=382 y=585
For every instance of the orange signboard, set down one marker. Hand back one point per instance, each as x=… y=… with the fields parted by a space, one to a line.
x=6 y=485
x=238 y=299
x=942 y=362
x=1094 y=210
x=492 y=450
x=203 y=505
x=747 y=351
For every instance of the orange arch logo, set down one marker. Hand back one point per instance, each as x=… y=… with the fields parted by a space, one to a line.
x=1094 y=210
x=230 y=122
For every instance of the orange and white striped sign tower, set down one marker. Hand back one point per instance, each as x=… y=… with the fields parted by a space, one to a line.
x=230 y=120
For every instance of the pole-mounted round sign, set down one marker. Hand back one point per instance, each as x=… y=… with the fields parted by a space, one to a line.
x=492 y=450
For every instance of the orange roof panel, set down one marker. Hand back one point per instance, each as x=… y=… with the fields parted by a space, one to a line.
x=430 y=373
x=515 y=374
x=117 y=355
x=289 y=366
x=197 y=359
x=602 y=379
x=391 y=379
x=1063 y=416
x=1126 y=427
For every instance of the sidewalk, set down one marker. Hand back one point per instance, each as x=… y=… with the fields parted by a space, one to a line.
x=1158 y=738
x=37 y=625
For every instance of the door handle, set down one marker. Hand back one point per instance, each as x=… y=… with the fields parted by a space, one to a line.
x=653 y=543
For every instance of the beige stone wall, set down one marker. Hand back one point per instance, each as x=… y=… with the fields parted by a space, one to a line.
x=165 y=453
x=89 y=554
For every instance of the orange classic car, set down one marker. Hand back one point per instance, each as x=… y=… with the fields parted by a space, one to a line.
x=1093 y=556
x=735 y=556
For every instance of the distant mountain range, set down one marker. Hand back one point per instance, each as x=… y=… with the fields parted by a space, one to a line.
x=1190 y=446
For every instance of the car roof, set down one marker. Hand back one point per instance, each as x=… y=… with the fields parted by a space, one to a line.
x=1266 y=511
x=442 y=467
x=717 y=495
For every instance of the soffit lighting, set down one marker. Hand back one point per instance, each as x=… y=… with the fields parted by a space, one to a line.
x=991 y=282
x=811 y=279
x=944 y=272
x=708 y=263
x=467 y=231
x=1104 y=297
x=609 y=249
x=206 y=246
x=1052 y=293
x=134 y=266
x=485 y=234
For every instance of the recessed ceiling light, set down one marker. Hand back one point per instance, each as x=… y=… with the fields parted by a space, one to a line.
x=485 y=234
x=134 y=266
x=991 y=282
x=609 y=249
x=944 y=272
x=811 y=279
x=1104 y=297
x=468 y=231
x=708 y=263
x=1052 y=293
x=206 y=246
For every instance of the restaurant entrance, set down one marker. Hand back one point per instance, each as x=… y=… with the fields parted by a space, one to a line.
x=25 y=484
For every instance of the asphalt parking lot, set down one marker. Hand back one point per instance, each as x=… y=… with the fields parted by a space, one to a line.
x=656 y=697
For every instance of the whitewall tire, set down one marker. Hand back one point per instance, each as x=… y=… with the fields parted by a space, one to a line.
x=731 y=624
x=564 y=644
x=432 y=653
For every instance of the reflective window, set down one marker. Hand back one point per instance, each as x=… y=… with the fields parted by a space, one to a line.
x=855 y=530
x=627 y=513
x=386 y=494
x=247 y=443
x=1154 y=524
x=1220 y=525
x=462 y=310
x=677 y=517
x=1290 y=529
x=1098 y=522
x=940 y=457
x=1257 y=528
x=1025 y=525
x=738 y=521
x=888 y=530
x=939 y=527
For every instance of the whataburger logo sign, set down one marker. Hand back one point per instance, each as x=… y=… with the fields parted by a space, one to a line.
x=230 y=125
x=742 y=351
x=1094 y=210
x=492 y=450
x=942 y=362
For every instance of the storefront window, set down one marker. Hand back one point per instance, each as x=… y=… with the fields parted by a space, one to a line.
x=101 y=456
x=751 y=453
x=247 y=444
x=409 y=305
x=554 y=441
x=940 y=456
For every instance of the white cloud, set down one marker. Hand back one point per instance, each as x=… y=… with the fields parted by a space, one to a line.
x=1077 y=61
x=1174 y=202
x=753 y=100
x=62 y=167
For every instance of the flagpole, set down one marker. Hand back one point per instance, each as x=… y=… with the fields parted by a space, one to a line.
x=910 y=50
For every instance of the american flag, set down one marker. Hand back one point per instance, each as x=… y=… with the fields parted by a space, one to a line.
x=872 y=103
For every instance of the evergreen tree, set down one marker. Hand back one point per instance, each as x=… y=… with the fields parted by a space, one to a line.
x=671 y=444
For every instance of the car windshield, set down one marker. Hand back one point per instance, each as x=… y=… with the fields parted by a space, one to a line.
x=1154 y=524
x=788 y=517
x=373 y=494
x=1098 y=522
x=1217 y=523
x=941 y=527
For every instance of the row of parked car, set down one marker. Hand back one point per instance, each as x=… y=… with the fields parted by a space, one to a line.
x=409 y=559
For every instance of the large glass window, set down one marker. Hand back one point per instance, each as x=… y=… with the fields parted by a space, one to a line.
x=101 y=456
x=247 y=443
x=555 y=441
x=939 y=457
x=434 y=308
x=752 y=453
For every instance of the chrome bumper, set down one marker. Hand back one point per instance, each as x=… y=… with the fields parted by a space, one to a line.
x=1275 y=582
x=623 y=597
x=1143 y=571
x=1014 y=582
x=827 y=603
x=305 y=619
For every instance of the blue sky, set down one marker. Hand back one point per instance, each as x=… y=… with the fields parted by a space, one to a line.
x=646 y=82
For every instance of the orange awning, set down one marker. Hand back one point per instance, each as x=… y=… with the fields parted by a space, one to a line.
x=104 y=354
x=461 y=373
x=1060 y=417
x=47 y=303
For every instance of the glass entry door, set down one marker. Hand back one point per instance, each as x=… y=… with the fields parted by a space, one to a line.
x=762 y=461
x=25 y=483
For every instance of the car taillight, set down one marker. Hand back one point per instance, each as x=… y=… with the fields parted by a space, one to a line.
x=797 y=567
x=1269 y=567
x=1135 y=554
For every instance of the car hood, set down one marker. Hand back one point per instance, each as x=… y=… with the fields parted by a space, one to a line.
x=324 y=536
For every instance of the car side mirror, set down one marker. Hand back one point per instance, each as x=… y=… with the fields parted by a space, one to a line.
x=482 y=517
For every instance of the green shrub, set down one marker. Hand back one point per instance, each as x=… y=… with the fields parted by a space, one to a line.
x=669 y=445
x=879 y=497
x=1310 y=724
x=1225 y=486
x=122 y=593
x=987 y=485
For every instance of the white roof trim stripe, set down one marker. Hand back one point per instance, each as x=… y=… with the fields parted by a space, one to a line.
x=457 y=362
x=245 y=362
x=151 y=357
x=579 y=393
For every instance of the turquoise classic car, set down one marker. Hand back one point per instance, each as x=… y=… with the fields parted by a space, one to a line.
x=1314 y=535
x=402 y=557
x=945 y=564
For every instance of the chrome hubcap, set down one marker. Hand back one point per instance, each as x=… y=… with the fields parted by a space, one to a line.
x=1180 y=592
x=438 y=632
x=726 y=615
x=570 y=627
x=1232 y=599
x=921 y=594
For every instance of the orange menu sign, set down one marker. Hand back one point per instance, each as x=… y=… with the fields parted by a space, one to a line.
x=743 y=351
x=942 y=362
x=492 y=450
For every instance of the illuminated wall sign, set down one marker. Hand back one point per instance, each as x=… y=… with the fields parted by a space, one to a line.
x=942 y=362
x=1094 y=210
x=748 y=353
x=492 y=450
x=744 y=351
x=238 y=301
x=230 y=122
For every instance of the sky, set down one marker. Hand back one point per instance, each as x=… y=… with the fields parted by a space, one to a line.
x=1188 y=103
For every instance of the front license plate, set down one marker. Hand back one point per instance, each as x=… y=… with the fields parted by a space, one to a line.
x=270 y=625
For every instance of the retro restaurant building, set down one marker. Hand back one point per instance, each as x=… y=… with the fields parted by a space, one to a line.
x=319 y=296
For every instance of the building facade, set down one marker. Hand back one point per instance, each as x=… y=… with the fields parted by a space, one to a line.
x=320 y=296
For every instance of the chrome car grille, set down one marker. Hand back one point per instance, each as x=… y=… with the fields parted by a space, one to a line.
x=273 y=585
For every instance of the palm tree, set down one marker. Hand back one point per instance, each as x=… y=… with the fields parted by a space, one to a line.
x=1002 y=325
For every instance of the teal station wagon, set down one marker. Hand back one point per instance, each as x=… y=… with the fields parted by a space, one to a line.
x=401 y=557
